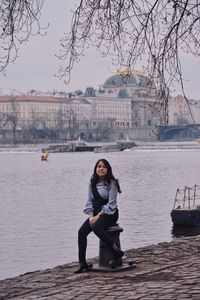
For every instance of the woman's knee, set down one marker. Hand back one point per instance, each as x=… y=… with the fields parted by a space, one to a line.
x=84 y=230
x=96 y=227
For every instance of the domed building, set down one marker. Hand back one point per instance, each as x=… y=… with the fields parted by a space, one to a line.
x=137 y=87
x=126 y=84
x=125 y=103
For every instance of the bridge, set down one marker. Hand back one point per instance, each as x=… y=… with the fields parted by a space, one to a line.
x=179 y=132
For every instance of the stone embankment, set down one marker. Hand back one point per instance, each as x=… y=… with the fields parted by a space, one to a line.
x=163 y=271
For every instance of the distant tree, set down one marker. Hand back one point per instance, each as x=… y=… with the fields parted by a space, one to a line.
x=12 y=118
x=35 y=128
x=103 y=130
x=154 y=32
x=3 y=125
x=59 y=123
x=72 y=124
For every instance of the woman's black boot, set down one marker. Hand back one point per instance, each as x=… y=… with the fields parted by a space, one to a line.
x=83 y=266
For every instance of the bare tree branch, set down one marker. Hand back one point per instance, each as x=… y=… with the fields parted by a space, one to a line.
x=153 y=32
x=19 y=19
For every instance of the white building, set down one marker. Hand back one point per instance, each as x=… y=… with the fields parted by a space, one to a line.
x=136 y=87
x=125 y=103
x=49 y=111
x=115 y=111
x=183 y=112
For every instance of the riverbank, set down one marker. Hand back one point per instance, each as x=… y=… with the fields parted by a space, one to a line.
x=99 y=147
x=168 y=145
x=163 y=271
x=70 y=146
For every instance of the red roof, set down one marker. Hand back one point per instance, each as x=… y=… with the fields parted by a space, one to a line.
x=30 y=98
x=47 y=99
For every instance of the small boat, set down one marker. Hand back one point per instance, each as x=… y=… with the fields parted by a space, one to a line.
x=44 y=155
x=186 y=210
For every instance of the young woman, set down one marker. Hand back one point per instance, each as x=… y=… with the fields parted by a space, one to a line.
x=101 y=207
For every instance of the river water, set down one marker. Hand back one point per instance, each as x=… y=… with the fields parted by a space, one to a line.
x=41 y=202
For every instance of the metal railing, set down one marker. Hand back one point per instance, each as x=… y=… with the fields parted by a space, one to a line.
x=187 y=197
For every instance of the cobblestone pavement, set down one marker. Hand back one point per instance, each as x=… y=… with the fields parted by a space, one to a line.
x=164 y=271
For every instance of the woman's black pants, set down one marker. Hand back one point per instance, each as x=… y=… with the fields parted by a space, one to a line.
x=99 y=228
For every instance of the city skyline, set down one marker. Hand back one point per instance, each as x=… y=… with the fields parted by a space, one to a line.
x=37 y=64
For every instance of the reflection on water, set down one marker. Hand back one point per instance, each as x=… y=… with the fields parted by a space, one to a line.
x=181 y=231
x=41 y=203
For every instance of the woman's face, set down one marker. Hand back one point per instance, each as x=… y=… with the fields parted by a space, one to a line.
x=101 y=170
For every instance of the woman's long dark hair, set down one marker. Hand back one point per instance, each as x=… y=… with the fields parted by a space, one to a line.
x=109 y=176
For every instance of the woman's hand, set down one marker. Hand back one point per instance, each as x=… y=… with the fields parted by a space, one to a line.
x=92 y=219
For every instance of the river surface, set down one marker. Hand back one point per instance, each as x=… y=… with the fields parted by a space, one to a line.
x=41 y=202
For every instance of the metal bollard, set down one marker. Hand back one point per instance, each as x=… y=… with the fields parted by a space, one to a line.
x=105 y=255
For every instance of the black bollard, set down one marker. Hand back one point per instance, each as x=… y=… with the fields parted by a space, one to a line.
x=105 y=255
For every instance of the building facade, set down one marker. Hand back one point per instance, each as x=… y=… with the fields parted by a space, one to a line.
x=69 y=117
x=182 y=112
x=145 y=114
x=124 y=106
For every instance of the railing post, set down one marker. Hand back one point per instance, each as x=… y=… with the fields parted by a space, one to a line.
x=195 y=190
x=189 y=197
x=184 y=195
x=175 y=200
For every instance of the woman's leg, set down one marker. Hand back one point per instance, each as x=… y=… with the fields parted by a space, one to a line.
x=83 y=232
x=99 y=228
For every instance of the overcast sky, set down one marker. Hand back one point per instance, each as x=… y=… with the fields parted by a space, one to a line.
x=37 y=63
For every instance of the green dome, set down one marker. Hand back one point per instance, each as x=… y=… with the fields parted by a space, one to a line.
x=121 y=80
